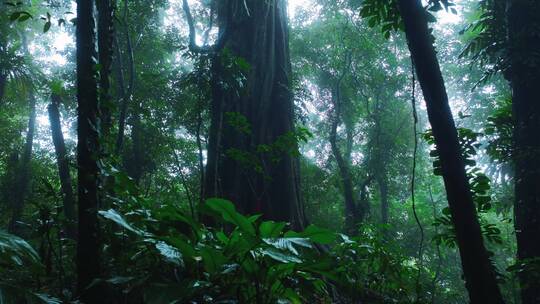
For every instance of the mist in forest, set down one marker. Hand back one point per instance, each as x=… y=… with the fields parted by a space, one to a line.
x=250 y=151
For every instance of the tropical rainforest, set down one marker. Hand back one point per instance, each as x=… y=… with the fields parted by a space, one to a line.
x=270 y=151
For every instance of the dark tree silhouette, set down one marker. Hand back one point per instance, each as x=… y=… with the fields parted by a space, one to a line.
x=477 y=268
x=88 y=151
x=63 y=165
x=524 y=76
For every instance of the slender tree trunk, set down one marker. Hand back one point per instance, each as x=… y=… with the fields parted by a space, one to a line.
x=63 y=166
x=478 y=271
x=137 y=168
x=3 y=83
x=3 y=73
x=260 y=36
x=24 y=170
x=351 y=212
x=382 y=182
x=105 y=41
x=10 y=177
x=88 y=151
x=126 y=93
x=524 y=42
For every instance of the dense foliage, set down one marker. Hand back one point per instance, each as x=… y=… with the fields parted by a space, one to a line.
x=254 y=152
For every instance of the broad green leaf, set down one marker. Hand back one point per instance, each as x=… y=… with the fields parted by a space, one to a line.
x=170 y=253
x=280 y=256
x=16 y=249
x=271 y=229
x=227 y=210
x=116 y=217
x=315 y=234
x=288 y=243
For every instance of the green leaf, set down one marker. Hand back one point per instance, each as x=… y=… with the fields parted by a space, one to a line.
x=213 y=259
x=170 y=253
x=182 y=245
x=288 y=243
x=14 y=16
x=271 y=229
x=119 y=219
x=315 y=234
x=16 y=249
x=228 y=212
x=280 y=256
x=47 y=26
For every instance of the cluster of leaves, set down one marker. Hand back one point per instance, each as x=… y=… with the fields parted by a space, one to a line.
x=285 y=144
x=19 y=262
x=161 y=255
x=374 y=268
x=386 y=14
x=177 y=260
x=528 y=269
x=499 y=130
x=487 y=36
x=480 y=189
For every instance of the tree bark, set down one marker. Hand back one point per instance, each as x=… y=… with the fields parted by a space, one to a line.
x=524 y=76
x=351 y=212
x=105 y=41
x=24 y=170
x=88 y=151
x=478 y=271
x=260 y=36
x=63 y=166
x=136 y=170
x=3 y=83
x=382 y=182
x=126 y=94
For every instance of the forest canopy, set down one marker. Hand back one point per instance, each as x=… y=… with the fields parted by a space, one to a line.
x=270 y=151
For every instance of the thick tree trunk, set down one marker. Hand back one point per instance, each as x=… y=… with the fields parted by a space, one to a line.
x=63 y=166
x=524 y=42
x=478 y=271
x=269 y=185
x=88 y=151
x=24 y=170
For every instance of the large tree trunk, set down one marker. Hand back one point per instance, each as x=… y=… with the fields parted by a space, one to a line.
x=269 y=185
x=24 y=170
x=88 y=151
x=478 y=271
x=524 y=76
x=63 y=166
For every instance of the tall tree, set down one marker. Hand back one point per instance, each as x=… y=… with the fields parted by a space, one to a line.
x=265 y=183
x=524 y=75
x=105 y=28
x=478 y=271
x=88 y=151
x=353 y=211
x=63 y=165
x=24 y=169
